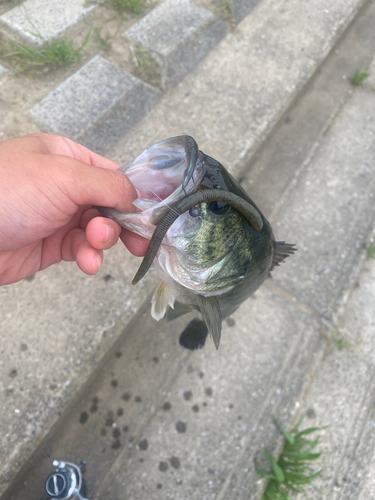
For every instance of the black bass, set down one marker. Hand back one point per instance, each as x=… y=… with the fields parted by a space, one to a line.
x=210 y=244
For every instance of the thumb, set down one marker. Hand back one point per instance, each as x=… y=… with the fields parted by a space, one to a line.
x=91 y=185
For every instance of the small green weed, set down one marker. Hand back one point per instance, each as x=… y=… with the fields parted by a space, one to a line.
x=371 y=252
x=128 y=6
x=293 y=469
x=225 y=8
x=53 y=54
x=360 y=76
x=145 y=65
x=103 y=43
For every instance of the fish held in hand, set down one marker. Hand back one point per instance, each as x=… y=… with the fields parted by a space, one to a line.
x=210 y=244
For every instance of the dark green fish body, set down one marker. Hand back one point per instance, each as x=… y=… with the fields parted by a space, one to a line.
x=212 y=246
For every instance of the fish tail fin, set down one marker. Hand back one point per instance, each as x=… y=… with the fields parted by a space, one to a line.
x=281 y=251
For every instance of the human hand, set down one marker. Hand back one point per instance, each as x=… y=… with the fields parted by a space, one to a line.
x=48 y=188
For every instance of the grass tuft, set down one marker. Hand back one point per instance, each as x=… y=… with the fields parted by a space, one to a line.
x=292 y=472
x=128 y=6
x=103 y=43
x=371 y=252
x=53 y=54
x=360 y=76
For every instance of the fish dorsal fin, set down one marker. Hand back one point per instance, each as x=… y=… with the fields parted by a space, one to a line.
x=281 y=251
x=211 y=311
x=162 y=298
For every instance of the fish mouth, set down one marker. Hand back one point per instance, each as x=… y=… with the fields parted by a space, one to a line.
x=163 y=174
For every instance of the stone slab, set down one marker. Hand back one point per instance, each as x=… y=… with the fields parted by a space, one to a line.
x=57 y=327
x=248 y=81
x=96 y=106
x=178 y=34
x=39 y=20
x=161 y=419
x=329 y=210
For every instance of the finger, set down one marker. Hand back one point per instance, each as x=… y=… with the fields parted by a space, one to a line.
x=88 y=215
x=136 y=244
x=75 y=247
x=102 y=233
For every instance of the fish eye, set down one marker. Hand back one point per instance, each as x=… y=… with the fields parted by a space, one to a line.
x=194 y=212
x=218 y=207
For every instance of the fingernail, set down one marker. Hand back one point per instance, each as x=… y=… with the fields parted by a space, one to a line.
x=98 y=260
x=110 y=233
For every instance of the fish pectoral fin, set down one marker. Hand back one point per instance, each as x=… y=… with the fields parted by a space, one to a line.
x=211 y=311
x=281 y=251
x=162 y=298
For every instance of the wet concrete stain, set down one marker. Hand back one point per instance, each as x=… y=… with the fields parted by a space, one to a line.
x=13 y=373
x=24 y=347
x=143 y=445
x=109 y=422
x=83 y=417
x=120 y=412
x=167 y=406
x=311 y=413
x=187 y=395
x=208 y=391
x=195 y=408
x=126 y=396
x=159 y=486
x=116 y=432
x=118 y=354
x=114 y=383
x=94 y=406
x=163 y=466
x=180 y=427
x=116 y=444
x=125 y=428
x=103 y=432
x=155 y=359
x=138 y=399
x=175 y=462
x=230 y=321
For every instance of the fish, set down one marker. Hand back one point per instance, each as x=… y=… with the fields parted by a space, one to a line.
x=211 y=246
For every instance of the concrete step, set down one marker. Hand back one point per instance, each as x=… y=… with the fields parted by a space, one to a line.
x=36 y=21
x=88 y=314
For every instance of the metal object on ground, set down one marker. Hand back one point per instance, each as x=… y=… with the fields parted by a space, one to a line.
x=66 y=482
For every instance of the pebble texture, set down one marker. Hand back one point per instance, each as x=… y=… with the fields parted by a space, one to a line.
x=97 y=105
x=38 y=20
x=178 y=34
